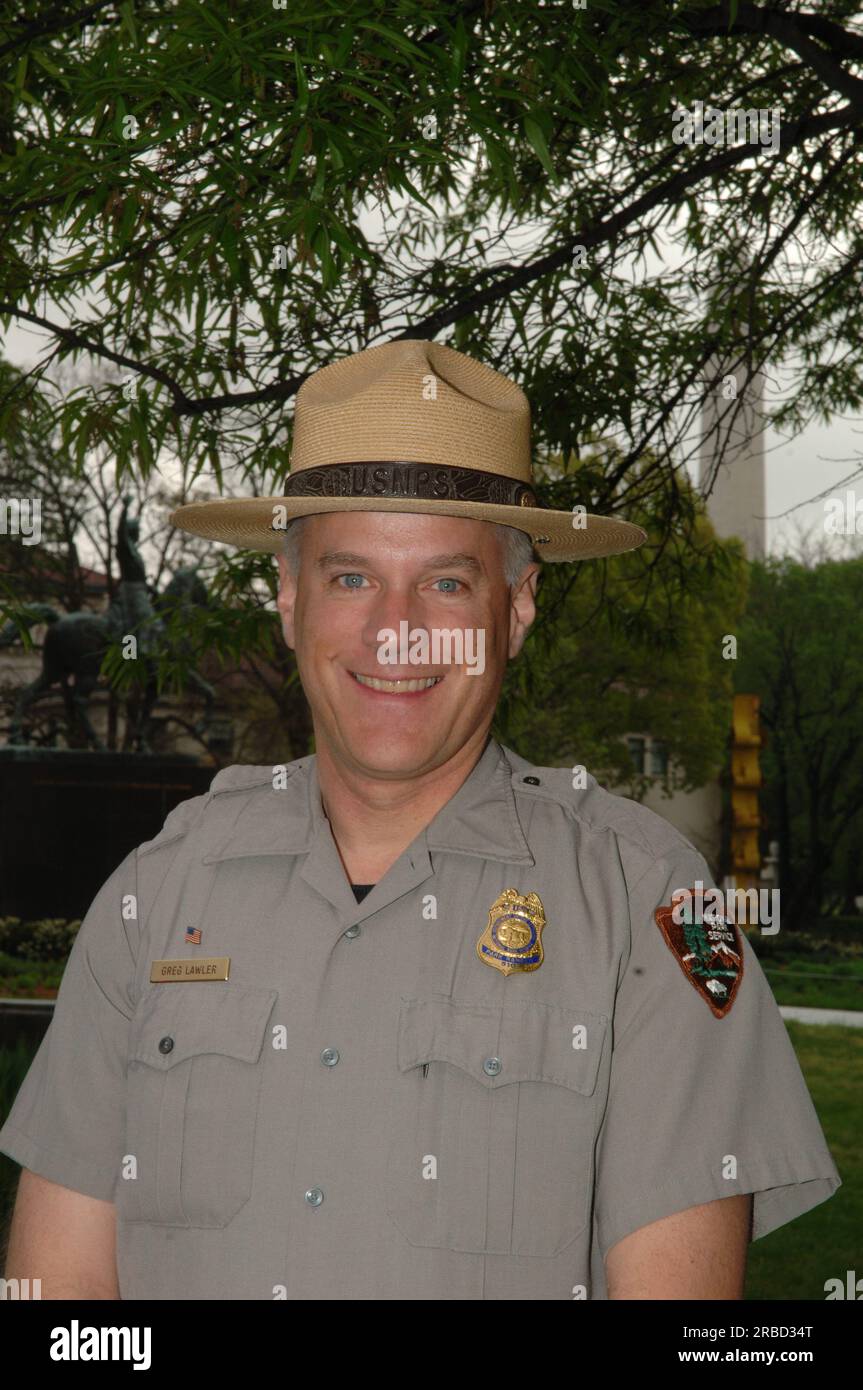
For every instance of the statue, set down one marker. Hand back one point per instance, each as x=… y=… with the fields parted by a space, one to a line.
x=76 y=643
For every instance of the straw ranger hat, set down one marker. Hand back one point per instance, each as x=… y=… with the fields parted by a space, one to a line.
x=411 y=426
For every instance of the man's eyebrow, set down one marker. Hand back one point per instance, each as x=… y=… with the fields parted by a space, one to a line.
x=456 y=560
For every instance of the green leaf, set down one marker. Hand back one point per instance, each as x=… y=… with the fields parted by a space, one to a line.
x=320 y=244
x=459 y=51
x=394 y=38
x=129 y=218
x=45 y=62
x=229 y=248
x=533 y=131
x=297 y=153
x=405 y=182
x=302 y=85
x=127 y=18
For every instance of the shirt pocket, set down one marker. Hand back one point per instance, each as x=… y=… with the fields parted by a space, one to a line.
x=494 y=1125
x=192 y=1091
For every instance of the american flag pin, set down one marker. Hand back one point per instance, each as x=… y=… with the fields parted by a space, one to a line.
x=193 y=936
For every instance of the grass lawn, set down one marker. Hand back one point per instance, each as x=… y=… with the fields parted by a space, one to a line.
x=797 y=1259
x=811 y=970
x=837 y=986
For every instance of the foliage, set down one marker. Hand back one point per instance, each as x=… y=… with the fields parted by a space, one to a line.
x=634 y=646
x=48 y=939
x=204 y=203
x=800 y=651
x=210 y=201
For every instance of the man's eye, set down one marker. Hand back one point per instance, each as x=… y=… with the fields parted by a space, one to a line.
x=448 y=581
x=350 y=578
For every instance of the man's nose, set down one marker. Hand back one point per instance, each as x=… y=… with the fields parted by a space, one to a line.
x=392 y=606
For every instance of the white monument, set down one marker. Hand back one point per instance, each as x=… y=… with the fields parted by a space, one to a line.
x=732 y=470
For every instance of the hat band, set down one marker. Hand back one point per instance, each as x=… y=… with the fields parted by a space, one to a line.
x=435 y=481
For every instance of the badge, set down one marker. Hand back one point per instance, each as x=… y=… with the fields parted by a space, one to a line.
x=512 y=939
x=707 y=948
x=189 y=969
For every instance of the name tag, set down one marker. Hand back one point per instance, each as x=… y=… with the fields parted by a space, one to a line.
x=162 y=972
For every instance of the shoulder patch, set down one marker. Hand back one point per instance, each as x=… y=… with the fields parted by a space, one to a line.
x=706 y=946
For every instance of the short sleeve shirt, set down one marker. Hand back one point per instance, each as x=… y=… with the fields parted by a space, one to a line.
x=366 y=1108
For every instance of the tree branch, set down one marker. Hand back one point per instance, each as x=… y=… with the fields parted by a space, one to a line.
x=785 y=30
x=58 y=21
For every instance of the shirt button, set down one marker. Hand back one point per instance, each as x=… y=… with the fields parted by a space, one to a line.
x=330 y=1056
x=491 y=1066
x=166 y=1044
x=352 y=932
x=314 y=1196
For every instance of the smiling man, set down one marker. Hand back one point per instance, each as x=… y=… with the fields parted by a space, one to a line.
x=409 y=1018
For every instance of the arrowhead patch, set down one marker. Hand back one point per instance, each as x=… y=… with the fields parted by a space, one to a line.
x=706 y=946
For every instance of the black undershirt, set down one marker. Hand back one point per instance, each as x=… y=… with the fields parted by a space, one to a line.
x=360 y=890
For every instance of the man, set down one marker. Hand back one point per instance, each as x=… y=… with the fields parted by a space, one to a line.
x=412 y=1017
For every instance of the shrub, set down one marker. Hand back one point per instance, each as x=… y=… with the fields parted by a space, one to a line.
x=49 y=938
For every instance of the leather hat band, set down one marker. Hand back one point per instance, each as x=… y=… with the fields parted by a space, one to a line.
x=435 y=481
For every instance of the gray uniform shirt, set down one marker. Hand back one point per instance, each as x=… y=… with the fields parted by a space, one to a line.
x=365 y=1109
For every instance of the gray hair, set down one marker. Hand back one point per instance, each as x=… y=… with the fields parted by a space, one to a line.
x=516 y=549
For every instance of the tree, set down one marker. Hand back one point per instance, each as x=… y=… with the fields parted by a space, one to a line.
x=634 y=646
x=800 y=651
x=192 y=196
x=211 y=201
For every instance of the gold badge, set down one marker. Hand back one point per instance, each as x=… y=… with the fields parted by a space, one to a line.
x=190 y=968
x=512 y=939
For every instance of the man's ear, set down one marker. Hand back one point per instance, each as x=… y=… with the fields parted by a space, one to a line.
x=286 y=600
x=522 y=608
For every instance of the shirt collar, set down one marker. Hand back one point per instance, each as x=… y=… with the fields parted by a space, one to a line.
x=479 y=819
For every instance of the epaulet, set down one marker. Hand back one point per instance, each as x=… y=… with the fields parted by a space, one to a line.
x=177 y=822
x=243 y=776
x=236 y=778
x=600 y=809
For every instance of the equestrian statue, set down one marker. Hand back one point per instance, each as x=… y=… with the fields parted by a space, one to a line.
x=76 y=643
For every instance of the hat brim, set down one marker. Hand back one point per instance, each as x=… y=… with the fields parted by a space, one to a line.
x=247 y=522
